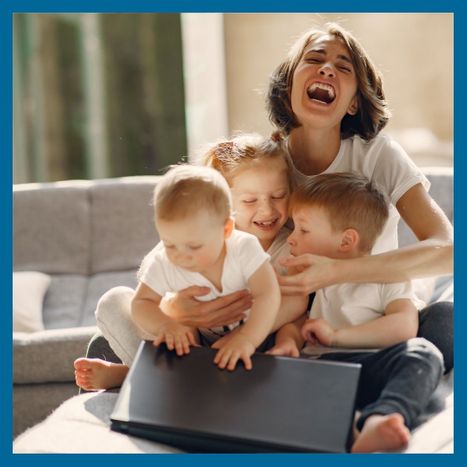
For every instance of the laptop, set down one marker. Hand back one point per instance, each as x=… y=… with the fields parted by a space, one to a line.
x=282 y=405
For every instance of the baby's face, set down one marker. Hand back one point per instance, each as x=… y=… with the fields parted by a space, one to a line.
x=313 y=233
x=260 y=196
x=194 y=243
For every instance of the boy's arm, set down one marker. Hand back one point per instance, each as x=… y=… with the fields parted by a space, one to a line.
x=147 y=315
x=399 y=323
x=289 y=340
x=292 y=308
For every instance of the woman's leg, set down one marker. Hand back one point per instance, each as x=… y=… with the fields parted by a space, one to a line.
x=436 y=324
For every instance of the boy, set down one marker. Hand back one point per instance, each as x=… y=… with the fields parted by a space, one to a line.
x=340 y=216
x=199 y=246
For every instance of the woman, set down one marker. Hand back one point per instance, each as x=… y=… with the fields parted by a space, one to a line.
x=328 y=101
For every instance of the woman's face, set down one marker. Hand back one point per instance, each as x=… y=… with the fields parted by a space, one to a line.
x=260 y=196
x=324 y=84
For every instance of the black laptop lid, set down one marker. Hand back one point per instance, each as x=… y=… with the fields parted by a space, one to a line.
x=283 y=404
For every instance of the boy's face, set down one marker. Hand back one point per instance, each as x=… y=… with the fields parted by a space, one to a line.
x=194 y=243
x=260 y=197
x=313 y=233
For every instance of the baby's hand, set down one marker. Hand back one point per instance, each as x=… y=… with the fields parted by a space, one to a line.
x=231 y=349
x=176 y=336
x=318 y=331
x=286 y=348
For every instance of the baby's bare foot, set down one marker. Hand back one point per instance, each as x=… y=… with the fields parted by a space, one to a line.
x=93 y=374
x=382 y=433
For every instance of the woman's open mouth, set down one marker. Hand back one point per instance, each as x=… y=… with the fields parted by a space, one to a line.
x=321 y=92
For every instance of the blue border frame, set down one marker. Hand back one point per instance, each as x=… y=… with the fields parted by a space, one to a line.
x=8 y=7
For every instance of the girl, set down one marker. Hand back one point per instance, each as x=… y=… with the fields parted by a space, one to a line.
x=259 y=176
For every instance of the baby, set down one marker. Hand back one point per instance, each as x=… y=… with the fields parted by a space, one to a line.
x=199 y=246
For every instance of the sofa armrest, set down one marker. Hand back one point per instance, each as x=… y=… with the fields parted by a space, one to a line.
x=47 y=356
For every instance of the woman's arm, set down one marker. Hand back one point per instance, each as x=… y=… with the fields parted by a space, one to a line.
x=186 y=309
x=432 y=255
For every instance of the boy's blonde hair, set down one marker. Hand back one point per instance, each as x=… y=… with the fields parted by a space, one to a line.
x=350 y=200
x=186 y=189
x=245 y=151
x=373 y=112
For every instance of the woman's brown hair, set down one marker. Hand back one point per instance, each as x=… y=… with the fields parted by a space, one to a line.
x=373 y=112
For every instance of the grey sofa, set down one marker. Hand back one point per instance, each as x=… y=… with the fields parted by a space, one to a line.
x=89 y=236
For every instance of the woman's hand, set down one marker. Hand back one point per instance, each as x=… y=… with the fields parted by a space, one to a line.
x=312 y=272
x=184 y=308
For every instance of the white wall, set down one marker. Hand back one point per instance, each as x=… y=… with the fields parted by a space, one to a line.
x=414 y=52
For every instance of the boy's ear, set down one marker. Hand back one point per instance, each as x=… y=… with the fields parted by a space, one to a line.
x=353 y=107
x=350 y=240
x=228 y=227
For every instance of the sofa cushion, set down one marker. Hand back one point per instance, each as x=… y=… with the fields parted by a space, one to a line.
x=51 y=226
x=64 y=301
x=122 y=223
x=97 y=285
x=48 y=356
x=29 y=289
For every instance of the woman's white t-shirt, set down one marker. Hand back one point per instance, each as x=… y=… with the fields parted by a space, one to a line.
x=383 y=161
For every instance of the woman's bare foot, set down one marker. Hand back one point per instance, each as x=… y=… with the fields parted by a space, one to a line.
x=93 y=374
x=382 y=433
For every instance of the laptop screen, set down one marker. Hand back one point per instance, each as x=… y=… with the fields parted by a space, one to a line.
x=281 y=405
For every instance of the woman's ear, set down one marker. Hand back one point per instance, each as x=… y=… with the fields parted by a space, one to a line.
x=353 y=107
x=349 y=241
x=228 y=227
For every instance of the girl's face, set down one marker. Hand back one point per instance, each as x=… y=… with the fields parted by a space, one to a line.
x=324 y=84
x=195 y=243
x=260 y=196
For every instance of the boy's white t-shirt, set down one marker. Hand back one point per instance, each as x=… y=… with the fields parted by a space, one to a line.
x=244 y=256
x=383 y=161
x=346 y=305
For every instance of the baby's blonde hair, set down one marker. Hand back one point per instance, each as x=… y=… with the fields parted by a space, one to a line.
x=186 y=189
x=245 y=151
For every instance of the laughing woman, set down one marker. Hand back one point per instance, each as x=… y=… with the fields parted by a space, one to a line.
x=328 y=101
